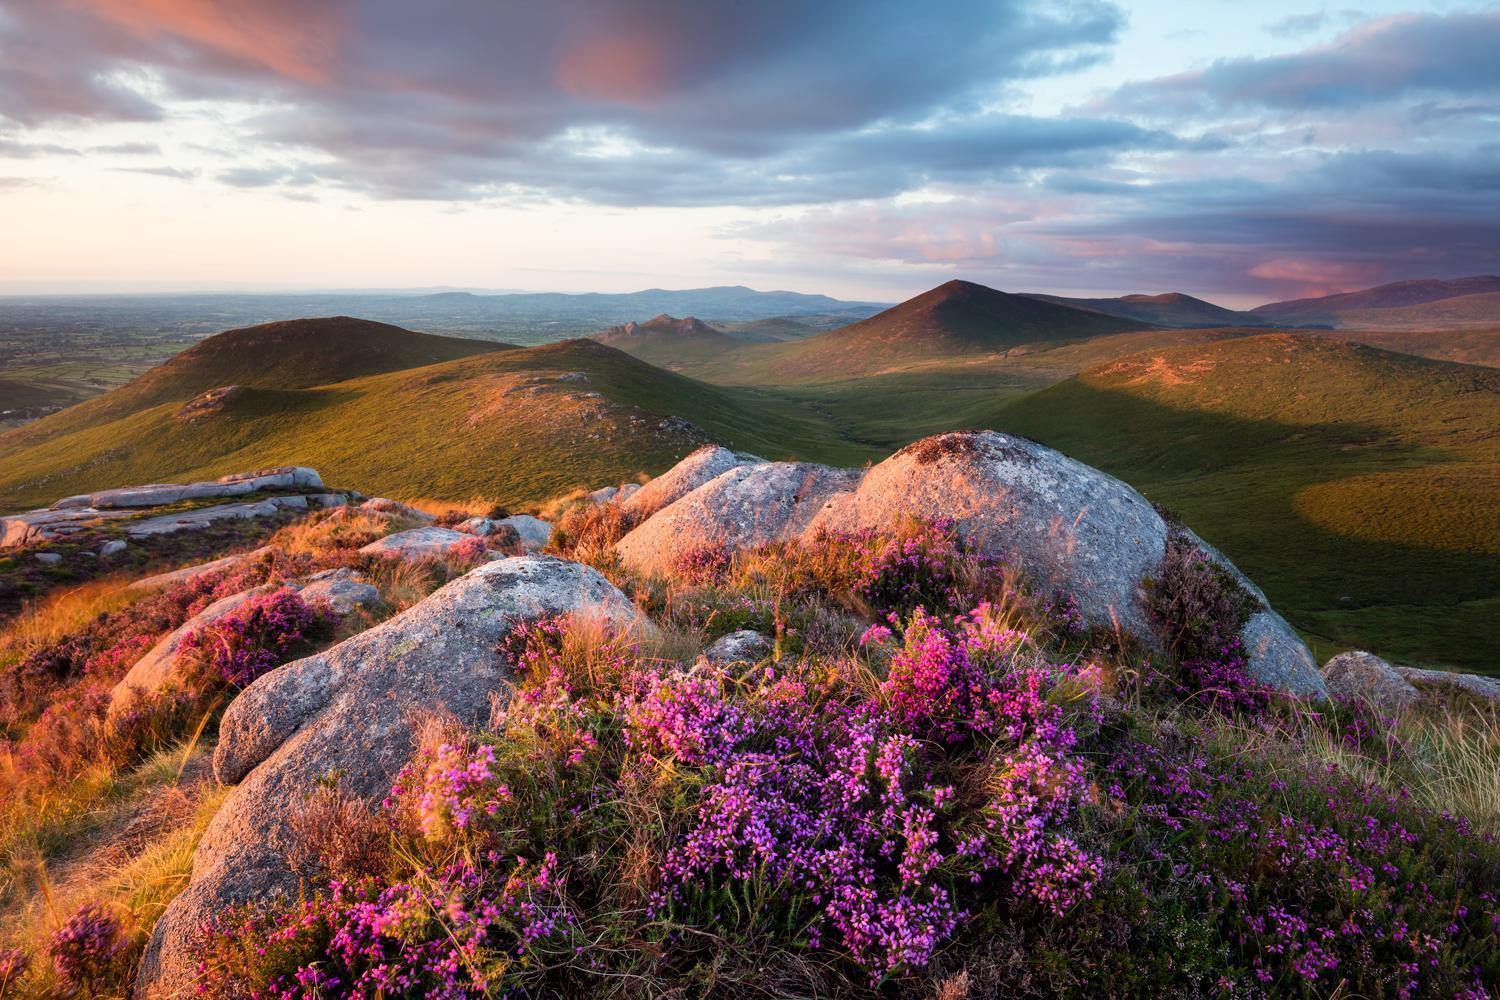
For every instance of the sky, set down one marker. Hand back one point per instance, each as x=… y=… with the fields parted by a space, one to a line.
x=861 y=148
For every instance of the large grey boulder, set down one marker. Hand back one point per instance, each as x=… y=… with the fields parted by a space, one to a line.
x=705 y=464
x=1276 y=656
x=1362 y=676
x=748 y=505
x=418 y=543
x=342 y=590
x=351 y=712
x=1065 y=524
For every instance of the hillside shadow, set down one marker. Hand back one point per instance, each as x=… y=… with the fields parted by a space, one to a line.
x=1234 y=480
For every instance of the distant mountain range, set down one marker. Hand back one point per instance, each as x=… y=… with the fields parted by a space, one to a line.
x=1174 y=309
x=1408 y=305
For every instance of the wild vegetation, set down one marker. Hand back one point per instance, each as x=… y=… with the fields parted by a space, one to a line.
x=930 y=780
x=1338 y=447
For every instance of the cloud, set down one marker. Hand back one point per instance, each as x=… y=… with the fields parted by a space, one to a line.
x=1347 y=220
x=175 y=173
x=1377 y=61
x=616 y=101
x=1294 y=25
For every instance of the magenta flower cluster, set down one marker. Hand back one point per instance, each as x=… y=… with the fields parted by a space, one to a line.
x=838 y=802
x=84 y=948
x=431 y=938
x=449 y=787
x=265 y=632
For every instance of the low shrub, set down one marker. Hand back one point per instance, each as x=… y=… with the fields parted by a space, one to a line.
x=268 y=630
x=85 y=948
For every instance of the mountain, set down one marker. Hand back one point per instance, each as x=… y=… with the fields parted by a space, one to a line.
x=1406 y=304
x=1174 y=309
x=955 y=320
x=667 y=341
x=518 y=424
x=292 y=354
x=1374 y=477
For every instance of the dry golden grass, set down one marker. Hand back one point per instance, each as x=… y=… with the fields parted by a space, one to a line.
x=1445 y=759
x=340 y=529
x=59 y=613
x=133 y=854
x=475 y=506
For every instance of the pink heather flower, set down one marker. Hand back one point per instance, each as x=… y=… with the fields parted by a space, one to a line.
x=84 y=948
x=451 y=786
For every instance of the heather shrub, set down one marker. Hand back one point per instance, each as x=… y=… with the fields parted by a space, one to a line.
x=588 y=531
x=14 y=964
x=1195 y=603
x=1312 y=879
x=85 y=948
x=1199 y=609
x=336 y=835
x=265 y=632
x=660 y=796
x=941 y=807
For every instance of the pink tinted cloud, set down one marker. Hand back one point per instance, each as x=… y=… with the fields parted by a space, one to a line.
x=295 y=39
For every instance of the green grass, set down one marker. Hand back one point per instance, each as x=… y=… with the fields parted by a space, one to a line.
x=1357 y=487
x=449 y=431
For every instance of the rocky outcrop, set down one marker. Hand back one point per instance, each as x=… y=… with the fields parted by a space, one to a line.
x=160 y=494
x=351 y=712
x=746 y=506
x=706 y=463
x=190 y=520
x=384 y=505
x=532 y=533
x=419 y=543
x=176 y=576
x=1067 y=525
x=744 y=646
x=1361 y=676
x=1475 y=685
x=342 y=590
x=535 y=534
x=128 y=509
x=209 y=403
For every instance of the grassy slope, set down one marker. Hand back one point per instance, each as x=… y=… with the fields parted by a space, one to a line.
x=497 y=425
x=293 y=354
x=1360 y=488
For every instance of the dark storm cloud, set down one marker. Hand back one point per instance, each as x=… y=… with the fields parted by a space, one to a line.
x=772 y=101
x=1378 y=61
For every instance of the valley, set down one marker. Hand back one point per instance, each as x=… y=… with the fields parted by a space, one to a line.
x=1371 y=472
